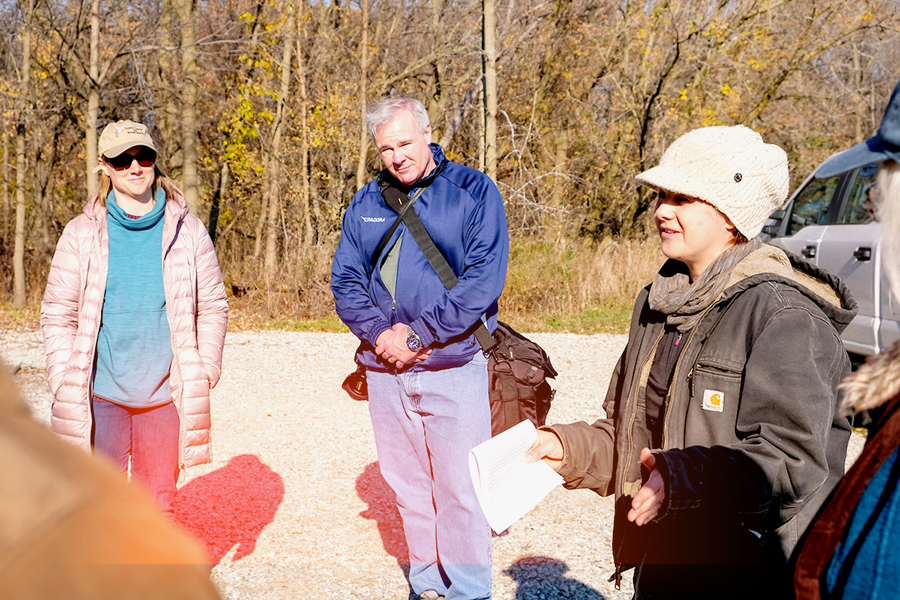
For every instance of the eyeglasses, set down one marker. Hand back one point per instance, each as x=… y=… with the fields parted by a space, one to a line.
x=145 y=158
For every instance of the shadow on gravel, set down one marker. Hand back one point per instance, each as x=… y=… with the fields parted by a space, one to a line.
x=374 y=491
x=541 y=577
x=230 y=506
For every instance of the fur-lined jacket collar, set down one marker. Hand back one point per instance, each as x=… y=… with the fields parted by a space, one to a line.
x=874 y=383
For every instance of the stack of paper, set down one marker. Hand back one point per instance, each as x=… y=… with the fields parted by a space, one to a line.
x=507 y=487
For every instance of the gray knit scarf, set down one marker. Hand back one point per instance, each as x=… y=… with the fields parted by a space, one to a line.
x=673 y=294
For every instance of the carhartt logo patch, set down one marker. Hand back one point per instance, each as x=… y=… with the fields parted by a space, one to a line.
x=713 y=400
x=373 y=219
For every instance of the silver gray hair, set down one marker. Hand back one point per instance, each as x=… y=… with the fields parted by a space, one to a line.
x=384 y=111
x=887 y=203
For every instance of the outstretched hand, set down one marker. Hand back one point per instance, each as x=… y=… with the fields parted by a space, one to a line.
x=645 y=506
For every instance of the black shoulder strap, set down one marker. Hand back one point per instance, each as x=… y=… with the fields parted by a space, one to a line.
x=430 y=250
x=399 y=202
x=442 y=268
x=390 y=232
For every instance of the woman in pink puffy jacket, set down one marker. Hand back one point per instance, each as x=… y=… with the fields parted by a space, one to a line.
x=134 y=319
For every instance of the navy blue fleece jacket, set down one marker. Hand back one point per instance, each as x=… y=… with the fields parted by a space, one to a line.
x=462 y=210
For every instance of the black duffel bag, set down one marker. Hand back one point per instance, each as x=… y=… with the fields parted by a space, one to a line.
x=518 y=369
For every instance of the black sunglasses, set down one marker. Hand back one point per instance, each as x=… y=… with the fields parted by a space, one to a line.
x=145 y=158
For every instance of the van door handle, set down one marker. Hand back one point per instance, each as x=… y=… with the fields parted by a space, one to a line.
x=863 y=254
x=809 y=252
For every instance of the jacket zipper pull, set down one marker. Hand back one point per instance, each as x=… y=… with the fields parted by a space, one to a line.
x=617 y=577
x=691 y=380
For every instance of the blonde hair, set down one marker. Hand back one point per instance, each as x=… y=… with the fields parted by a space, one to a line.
x=159 y=181
x=887 y=211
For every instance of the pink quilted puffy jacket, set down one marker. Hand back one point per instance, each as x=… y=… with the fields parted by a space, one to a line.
x=196 y=308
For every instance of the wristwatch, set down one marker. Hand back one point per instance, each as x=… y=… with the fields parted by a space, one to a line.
x=412 y=340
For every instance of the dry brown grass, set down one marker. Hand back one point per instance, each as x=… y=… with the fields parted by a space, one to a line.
x=570 y=287
x=560 y=286
x=21 y=318
x=550 y=286
x=296 y=296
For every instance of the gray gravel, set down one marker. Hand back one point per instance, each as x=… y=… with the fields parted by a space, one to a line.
x=293 y=505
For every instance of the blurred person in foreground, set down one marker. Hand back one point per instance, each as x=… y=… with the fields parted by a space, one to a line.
x=852 y=549
x=134 y=319
x=427 y=376
x=722 y=435
x=71 y=528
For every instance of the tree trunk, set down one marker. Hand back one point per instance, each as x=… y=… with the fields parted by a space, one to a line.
x=25 y=98
x=489 y=63
x=273 y=174
x=217 y=200
x=248 y=75
x=189 y=174
x=90 y=125
x=363 y=68
x=263 y=211
x=275 y=164
x=860 y=120
x=559 y=166
x=19 y=251
x=40 y=233
x=304 y=134
x=169 y=120
x=481 y=122
x=436 y=94
x=5 y=186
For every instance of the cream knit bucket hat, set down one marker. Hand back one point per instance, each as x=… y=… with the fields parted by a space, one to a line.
x=730 y=168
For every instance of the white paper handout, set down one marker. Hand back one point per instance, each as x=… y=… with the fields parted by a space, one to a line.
x=506 y=486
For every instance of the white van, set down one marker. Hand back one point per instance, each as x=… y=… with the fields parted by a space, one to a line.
x=828 y=222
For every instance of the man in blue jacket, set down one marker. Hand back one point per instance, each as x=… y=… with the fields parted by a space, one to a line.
x=427 y=376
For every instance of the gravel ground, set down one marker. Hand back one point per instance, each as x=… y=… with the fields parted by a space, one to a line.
x=293 y=505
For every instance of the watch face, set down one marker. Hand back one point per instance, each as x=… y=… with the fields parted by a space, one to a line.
x=412 y=340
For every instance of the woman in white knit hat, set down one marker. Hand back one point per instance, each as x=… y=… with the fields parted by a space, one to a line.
x=721 y=437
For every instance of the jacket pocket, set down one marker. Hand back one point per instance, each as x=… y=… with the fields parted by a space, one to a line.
x=715 y=401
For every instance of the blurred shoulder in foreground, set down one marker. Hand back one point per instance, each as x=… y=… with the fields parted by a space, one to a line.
x=71 y=527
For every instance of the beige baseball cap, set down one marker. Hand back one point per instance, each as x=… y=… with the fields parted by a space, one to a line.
x=120 y=136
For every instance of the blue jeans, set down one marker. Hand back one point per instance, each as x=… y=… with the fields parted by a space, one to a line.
x=149 y=437
x=425 y=423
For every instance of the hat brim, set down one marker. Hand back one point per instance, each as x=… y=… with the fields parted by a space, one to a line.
x=114 y=151
x=672 y=180
x=873 y=150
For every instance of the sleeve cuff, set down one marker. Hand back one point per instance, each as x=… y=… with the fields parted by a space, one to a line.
x=662 y=465
x=378 y=327
x=423 y=332
x=565 y=466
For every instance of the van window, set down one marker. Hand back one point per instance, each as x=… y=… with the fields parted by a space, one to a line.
x=810 y=206
x=857 y=208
